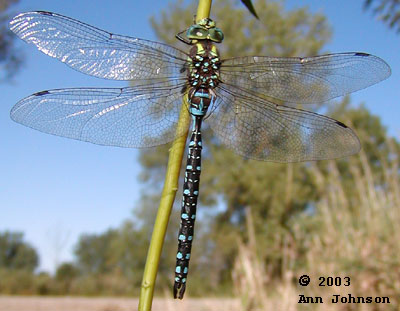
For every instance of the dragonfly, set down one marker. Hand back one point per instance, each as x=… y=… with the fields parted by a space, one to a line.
x=249 y=102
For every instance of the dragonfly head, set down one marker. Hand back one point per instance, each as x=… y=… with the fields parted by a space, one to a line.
x=204 y=30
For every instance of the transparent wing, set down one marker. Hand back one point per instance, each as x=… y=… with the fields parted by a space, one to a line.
x=141 y=116
x=258 y=129
x=96 y=52
x=304 y=80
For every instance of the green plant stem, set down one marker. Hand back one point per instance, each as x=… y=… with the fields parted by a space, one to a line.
x=164 y=211
x=168 y=194
x=203 y=10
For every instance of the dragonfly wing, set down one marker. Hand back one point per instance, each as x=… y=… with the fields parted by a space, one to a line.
x=141 y=116
x=305 y=80
x=96 y=52
x=258 y=129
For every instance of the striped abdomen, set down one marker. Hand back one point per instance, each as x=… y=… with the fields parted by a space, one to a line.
x=199 y=102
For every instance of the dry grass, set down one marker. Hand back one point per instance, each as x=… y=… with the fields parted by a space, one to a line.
x=354 y=233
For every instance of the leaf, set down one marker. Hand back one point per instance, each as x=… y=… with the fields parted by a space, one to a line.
x=250 y=7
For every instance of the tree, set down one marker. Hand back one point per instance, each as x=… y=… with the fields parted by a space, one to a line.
x=10 y=57
x=15 y=253
x=119 y=251
x=65 y=275
x=388 y=11
x=93 y=252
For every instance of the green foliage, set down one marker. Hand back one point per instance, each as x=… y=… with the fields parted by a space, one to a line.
x=388 y=11
x=43 y=284
x=66 y=271
x=65 y=275
x=18 y=260
x=93 y=252
x=119 y=251
x=15 y=254
x=16 y=282
x=24 y=282
x=10 y=58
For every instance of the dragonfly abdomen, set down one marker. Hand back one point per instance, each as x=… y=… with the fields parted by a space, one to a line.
x=199 y=100
x=188 y=213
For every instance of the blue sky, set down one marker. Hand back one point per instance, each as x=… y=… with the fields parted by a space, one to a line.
x=54 y=189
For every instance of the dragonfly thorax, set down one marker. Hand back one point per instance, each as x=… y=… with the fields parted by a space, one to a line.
x=204 y=65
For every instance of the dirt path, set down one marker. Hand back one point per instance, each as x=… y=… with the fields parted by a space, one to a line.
x=27 y=303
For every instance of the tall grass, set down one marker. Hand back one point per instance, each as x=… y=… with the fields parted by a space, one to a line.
x=351 y=234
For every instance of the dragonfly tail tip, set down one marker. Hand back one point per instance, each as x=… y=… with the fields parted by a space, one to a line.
x=179 y=290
